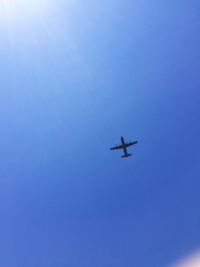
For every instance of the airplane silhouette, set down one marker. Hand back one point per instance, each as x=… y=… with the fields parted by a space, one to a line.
x=124 y=146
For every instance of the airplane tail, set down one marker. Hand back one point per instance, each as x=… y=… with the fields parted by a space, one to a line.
x=126 y=155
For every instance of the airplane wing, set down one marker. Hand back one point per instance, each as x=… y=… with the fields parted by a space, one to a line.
x=117 y=147
x=131 y=143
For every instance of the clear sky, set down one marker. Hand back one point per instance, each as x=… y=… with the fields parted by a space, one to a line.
x=74 y=77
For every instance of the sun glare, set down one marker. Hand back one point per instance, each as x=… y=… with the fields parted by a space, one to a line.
x=192 y=261
x=22 y=11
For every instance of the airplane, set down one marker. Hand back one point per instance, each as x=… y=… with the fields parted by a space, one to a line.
x=124 y=146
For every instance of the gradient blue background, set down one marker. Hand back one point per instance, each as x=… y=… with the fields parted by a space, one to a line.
x=71 y=83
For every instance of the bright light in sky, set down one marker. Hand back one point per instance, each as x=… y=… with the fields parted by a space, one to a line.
x=193 y=261
x=22 y=11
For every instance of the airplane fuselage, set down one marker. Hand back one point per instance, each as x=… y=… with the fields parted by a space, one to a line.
x=124 y=148
x=122 y=140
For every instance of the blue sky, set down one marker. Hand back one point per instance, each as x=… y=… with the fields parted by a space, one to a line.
x=75 y=76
